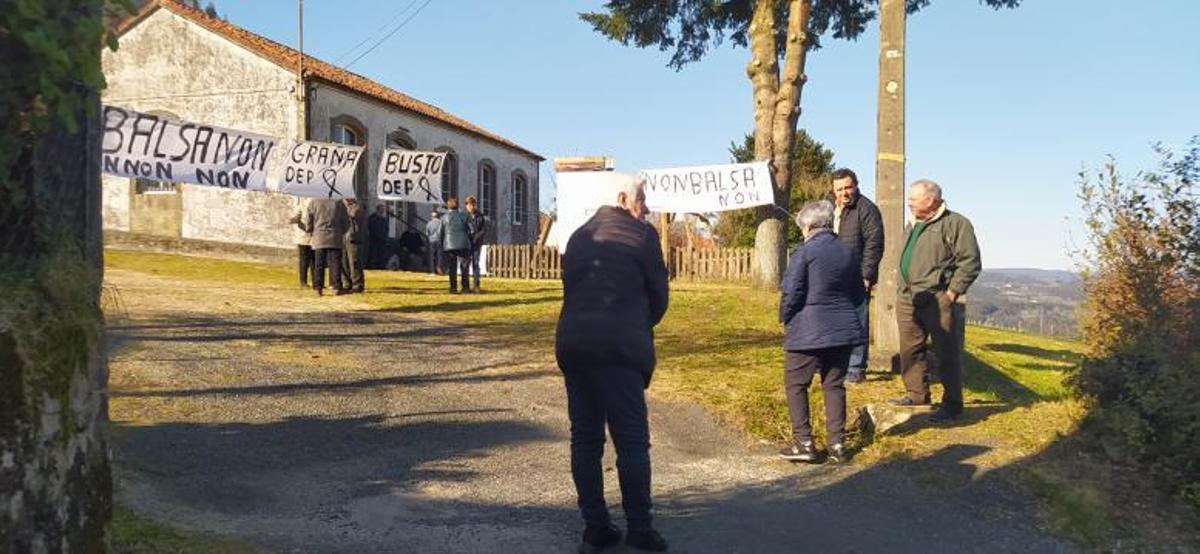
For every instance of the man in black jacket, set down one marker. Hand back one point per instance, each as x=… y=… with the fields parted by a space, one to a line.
x=859 y=225
x=614 y=293
x=377 y=239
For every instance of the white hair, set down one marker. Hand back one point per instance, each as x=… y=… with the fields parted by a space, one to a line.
x=928 y=188
x=628 y=184
x=816 y=215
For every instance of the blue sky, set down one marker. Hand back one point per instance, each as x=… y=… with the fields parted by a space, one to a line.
x=1004 y=108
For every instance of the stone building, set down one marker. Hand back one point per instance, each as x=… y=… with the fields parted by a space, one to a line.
x=179 y=62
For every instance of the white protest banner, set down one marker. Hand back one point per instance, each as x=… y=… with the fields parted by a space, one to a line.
x=709 y=188
x=152 y=147
x=315 y=169
x=580 y=194
x=410 y=176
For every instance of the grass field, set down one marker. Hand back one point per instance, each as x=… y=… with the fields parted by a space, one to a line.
x=719 y=345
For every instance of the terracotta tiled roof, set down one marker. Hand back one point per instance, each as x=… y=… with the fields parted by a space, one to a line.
x=314 y=68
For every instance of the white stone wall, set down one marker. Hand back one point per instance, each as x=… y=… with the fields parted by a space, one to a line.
x=170 y=65
x=330 y=102
x=115 y=202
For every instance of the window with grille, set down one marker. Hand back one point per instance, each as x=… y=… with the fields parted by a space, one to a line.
x=450 y=177
x=520 y=195
x=487 y=188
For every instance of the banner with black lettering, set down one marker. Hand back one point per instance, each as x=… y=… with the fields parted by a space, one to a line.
x=148 y=146
x=410 y=176
x=580 y=194
x=315 y=169
x=710 y=188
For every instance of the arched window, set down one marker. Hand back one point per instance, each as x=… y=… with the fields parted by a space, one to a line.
x=344 y=129
x=344 y=134
x=487 y=188
x=520 y=197
x=449 y=175
x=401 y=139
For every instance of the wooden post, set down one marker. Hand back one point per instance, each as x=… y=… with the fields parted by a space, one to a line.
x=664 y=237
x=889 y=180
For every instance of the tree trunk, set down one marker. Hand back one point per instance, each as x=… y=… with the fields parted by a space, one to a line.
x=776 y=109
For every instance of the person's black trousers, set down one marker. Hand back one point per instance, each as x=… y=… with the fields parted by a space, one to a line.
x=453 y=258
x=597 y=395
x=331 y=258
x=469 y=262
x=307 y=264
x=799 y=368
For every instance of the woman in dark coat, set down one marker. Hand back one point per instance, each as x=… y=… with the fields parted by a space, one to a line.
x=820 y=294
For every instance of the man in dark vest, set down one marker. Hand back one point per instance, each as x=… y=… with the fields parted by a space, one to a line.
x=614 y=293
x=859 y=225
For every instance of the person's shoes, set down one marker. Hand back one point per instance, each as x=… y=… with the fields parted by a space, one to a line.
x=856 y=379
x=799 y=452
x=320 y=291
x=359 y=290
x=341 y=292
x=599 y=537
x=907 y=402
x=647 y=540
x=838 y=454
x=945 y=414
x=453 y=291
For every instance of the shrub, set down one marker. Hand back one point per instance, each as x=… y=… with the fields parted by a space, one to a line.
x=1140 y=318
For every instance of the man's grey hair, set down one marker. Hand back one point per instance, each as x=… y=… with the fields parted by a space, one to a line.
x=624 y=182
x=928 y=188
x=816 y=215
x=630 y=185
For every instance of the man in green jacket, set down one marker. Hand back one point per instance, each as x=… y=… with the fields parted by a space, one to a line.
x=939 y=263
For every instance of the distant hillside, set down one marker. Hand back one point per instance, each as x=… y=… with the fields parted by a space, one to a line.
x=1034 y=300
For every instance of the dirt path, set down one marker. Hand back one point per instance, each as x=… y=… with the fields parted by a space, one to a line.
x=306 y=424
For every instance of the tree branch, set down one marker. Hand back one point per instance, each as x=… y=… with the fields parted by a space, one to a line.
x=764 y=75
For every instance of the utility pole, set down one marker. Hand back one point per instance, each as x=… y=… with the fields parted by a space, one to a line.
x=889 y=180
x=301 y=94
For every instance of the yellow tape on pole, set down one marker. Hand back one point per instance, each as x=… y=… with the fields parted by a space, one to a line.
x=888 y=156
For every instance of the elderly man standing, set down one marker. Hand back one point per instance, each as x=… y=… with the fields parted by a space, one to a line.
x=939 y=263
x=352 y=247
x=327 y=220
x=859 y=225
x=614 y=293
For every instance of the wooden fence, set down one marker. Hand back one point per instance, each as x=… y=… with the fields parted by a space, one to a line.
x=527 y=261
x=711 y=264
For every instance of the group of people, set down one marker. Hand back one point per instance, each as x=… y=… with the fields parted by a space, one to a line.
x=331 y=237
x=824 y=297
x=456 y=242
x=335 y=238
x=615 y=290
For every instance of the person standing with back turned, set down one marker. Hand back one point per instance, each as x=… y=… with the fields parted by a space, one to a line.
x=614 y=293
x=456 y=242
